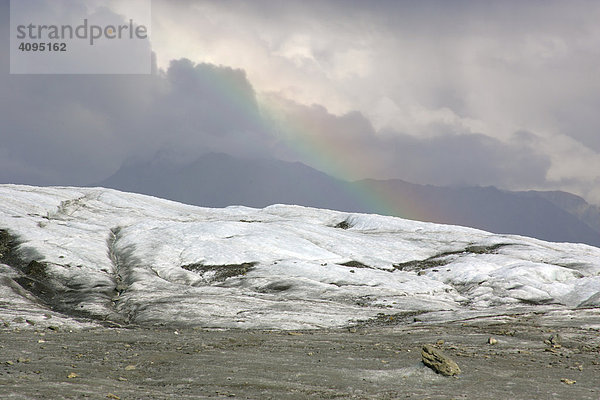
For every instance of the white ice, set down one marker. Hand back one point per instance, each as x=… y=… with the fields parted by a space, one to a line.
x=119 y=256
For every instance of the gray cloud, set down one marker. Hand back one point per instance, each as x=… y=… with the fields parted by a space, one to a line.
x=489 y=93
x=469 y=159
x=449 y=158
x=78 y=129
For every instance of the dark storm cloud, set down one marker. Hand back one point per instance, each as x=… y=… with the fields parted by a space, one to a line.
x=78 y=129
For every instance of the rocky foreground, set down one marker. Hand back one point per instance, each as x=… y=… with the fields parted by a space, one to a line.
x=530 y=356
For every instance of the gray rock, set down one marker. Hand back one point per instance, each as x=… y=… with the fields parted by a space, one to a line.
x=438 y=361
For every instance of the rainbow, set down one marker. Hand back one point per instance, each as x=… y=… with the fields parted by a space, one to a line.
x=314 y=147
x=307 y=139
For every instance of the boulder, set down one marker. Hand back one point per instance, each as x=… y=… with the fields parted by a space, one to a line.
x=438 y=361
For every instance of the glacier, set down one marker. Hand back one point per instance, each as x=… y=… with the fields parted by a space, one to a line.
x=86 y=256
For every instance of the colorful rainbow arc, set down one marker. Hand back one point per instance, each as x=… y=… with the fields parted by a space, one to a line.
x=301 y=135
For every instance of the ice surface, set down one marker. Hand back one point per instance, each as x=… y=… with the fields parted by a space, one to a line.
x=137 y=259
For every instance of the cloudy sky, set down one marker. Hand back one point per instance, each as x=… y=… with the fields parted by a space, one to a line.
x=441 y=92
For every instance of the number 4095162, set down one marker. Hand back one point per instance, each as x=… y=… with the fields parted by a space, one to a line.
x=24 y=46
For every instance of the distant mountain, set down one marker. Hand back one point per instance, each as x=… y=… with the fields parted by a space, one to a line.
x=575 y=205
x=488 y=208
x=219 y=180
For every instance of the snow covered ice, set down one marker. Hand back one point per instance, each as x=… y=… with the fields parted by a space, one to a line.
x=130 y=258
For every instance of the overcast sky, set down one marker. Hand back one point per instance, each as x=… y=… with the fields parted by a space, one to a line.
x=443 y=92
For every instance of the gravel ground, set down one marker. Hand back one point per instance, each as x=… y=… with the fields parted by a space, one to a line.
x=372 y=361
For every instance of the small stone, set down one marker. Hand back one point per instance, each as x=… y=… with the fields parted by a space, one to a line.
x=130 y=368
x=555 y=339
x=122 y=379
x=113 y=396
x=492 y=341
x=440 y=342
x=9 y=362
x=438 y=361
x=568 y=381
x=23 y=360
x=72 y=375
